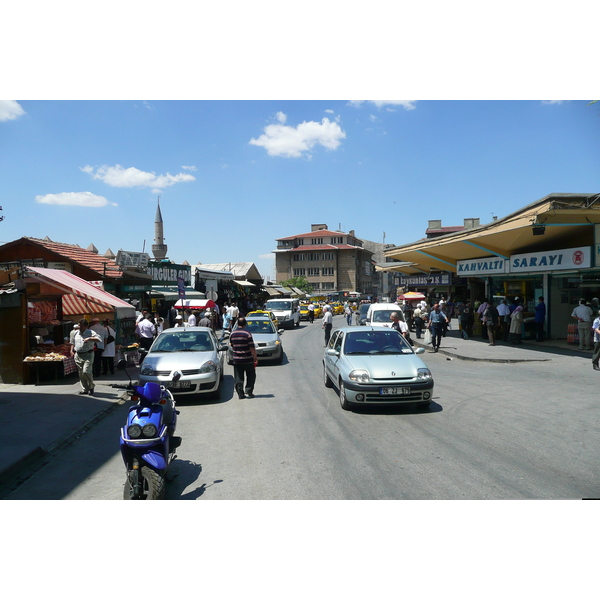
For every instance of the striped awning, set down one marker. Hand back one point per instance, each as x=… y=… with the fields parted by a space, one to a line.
x=80 y=297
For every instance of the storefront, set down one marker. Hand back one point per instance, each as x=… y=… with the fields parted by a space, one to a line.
x=37 y=319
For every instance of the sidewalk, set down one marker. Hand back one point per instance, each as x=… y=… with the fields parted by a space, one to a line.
x=41 y=419
x=476 y=348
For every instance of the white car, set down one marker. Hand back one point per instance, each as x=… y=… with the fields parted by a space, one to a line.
x=193 y=351
x=379 y=314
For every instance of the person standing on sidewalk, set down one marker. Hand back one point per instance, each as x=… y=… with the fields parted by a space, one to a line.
x=504 y=316
x=108 y=356
x=99 y=349
x=311 y=313
x=540 y=318
x=583 y=314
x=418 y=321
x=327 y=323
x=465 y=316
x=596 y=330
x=490 y=317
x=245 y=360
x=83 y=342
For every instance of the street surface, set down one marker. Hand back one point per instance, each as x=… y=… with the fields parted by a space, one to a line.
x=494 y=431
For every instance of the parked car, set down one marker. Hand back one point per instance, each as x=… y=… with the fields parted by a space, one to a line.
x=337 y=308
x=195 y=352
x=375 y=366
x=378 y=314
x=267 y=340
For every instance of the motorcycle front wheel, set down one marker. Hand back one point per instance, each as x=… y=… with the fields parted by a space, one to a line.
x=152 y=486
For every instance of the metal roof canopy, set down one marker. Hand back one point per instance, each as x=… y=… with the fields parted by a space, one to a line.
x=567 y=218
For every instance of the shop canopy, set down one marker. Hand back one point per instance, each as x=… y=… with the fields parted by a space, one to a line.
x=172 y=293
x=198 y=304
x=80 y=297
x=564 y=220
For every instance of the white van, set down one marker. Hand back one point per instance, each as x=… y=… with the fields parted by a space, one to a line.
x=378 y=314
x=287 y=311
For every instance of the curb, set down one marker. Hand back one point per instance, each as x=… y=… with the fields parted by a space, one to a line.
x=21 y=470
x=481 y=359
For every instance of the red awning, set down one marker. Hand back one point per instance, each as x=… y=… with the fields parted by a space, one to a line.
x=80 y=297
x=195 y=304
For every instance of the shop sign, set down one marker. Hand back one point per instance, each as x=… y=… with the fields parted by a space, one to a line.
x=481 y=266
x=554 y=260
x=168 y=274
x=433 y=279
x=61 y=266
x=135 y=288
x=132 y=259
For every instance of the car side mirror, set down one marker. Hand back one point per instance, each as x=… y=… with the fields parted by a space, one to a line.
x=223 y=348
x=280 y=331
x=420 y=351
x=332 y=352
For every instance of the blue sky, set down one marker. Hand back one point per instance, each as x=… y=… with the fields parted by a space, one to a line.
x=235 y=175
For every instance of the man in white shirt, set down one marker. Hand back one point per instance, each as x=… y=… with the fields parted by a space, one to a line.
x=83 y=348
x=191 y=318
x=101 y=331
x=234 y=313
x=145 y=331
x=584 y=315
x=327 y=323
x=504 y=313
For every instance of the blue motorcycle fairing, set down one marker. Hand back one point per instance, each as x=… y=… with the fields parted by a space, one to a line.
x=151 y=392
x=155 y=460
x=142 y=415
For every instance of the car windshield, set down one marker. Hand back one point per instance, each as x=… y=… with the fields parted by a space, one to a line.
x=186 y=341
x=262 y=326
x=364 y=309
x=383 y=316
x=279 y=305
x=376 y=342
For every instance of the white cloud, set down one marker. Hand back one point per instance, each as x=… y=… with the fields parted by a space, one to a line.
x=283 y=140
x=406 y=104
x=10 y=109
x=328 y=110
x=117 y=176
x=281 y=117
x=74 y=199
x=189 y=167
x=270 y=255
x=552 y=101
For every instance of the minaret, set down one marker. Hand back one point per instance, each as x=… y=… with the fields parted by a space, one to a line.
x=160 y=248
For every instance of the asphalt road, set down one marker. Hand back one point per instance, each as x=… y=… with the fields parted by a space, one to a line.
x=494 y=431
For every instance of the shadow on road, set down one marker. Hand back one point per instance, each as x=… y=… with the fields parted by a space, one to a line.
x=182 y=474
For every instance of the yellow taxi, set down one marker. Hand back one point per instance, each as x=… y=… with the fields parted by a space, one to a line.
x=337 y=308
x=304 y=311
x=264 y=313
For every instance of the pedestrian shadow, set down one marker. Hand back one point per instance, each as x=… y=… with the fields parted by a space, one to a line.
x=182 y=474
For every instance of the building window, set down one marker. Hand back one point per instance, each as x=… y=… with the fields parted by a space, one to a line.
x=298 y=257
x=327 y=271
x=327 y=285
x=315 y=285
x=316 y=241
x=299 y=272
x=337 y=240
x=327 y=255
x=313 y=271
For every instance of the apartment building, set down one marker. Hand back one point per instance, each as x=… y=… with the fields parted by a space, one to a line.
x=333 y=262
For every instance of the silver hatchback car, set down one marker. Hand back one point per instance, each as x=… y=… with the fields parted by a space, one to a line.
x=375 y=365
x=193 y=351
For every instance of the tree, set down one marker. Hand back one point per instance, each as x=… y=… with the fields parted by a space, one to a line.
x=298 y=282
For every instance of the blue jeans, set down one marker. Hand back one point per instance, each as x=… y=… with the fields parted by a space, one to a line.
x=436 y=334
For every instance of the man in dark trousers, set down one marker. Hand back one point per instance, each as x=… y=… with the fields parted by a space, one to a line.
x=245 y=360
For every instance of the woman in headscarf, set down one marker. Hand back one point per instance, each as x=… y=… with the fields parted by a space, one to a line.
x=516 y=322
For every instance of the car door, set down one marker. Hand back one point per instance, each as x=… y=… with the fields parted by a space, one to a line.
x=336 y=360
x=330 y=359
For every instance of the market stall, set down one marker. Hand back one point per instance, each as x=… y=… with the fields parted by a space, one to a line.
x=56 y=300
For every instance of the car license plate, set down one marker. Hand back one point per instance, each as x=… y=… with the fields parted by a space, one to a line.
x=394 y=391
x=181 y=384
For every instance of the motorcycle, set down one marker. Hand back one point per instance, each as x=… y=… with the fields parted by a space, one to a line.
x=148 y=439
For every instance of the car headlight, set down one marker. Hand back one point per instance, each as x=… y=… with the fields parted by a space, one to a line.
x=424 y=374
x=134 y=431
x=359 y=375
x=147 y=370
x=149 y=430
x=274 y=344
x=209 y=366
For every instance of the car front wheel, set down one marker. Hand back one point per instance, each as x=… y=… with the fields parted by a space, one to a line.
x=343 y=399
